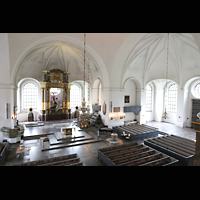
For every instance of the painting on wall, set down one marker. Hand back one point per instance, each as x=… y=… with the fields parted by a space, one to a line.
x=126 y=99
x=116 y=109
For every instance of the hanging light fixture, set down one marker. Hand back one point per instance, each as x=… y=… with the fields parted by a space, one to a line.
x=84 y=121
x=84 y=109
x=165 y=115
x=88 y=103
x=84 y=68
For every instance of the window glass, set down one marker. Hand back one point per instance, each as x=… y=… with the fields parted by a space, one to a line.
x=172 y=98
x=148 y=98
x=75 y=96
x=197 y=91
x=29 y=96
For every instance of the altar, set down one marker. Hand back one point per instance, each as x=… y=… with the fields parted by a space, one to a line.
x=55 y=95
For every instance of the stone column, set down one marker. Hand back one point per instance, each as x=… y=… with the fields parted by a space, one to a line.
x=141 y=100
x=180 y=116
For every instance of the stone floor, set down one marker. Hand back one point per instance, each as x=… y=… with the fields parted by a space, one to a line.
x=175 y=130
x=87 y=153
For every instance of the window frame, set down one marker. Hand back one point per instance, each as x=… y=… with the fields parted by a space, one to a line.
x=170 y=105
x=80 y=87
x=150 y=108
x=21 y=85
x=194 y=85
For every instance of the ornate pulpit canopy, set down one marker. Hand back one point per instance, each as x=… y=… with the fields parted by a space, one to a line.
x=55 y=78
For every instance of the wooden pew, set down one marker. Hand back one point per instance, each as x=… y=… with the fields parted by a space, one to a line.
x=127 y=155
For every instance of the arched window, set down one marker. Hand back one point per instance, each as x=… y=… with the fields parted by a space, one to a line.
x=196 y=92
x=29 y=96
x=148 y=98
x=172 y=98
x=75 y=96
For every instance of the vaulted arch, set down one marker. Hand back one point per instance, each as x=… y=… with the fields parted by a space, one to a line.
x=145 y=56
x=63 y=51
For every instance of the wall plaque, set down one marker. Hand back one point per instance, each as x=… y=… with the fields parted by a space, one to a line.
x=104 y=108
x=116 y=109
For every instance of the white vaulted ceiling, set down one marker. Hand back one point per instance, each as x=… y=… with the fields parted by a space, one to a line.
x=113 y=57
x=148 y=58
x=56 y=54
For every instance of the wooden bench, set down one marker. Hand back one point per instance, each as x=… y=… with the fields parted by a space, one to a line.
x=178 y=147
x=134 y=154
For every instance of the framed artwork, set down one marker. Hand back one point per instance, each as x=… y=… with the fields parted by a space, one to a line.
x=126 y=99
x=116 y=109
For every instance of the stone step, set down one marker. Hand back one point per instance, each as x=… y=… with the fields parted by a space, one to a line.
x=33 y=137
x=70 y=141
x=71 y=145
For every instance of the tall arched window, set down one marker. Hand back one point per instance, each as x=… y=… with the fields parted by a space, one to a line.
x=75 y=96
x=29 y=96
x=197 y=91
x=148 y=98
x=172 y=98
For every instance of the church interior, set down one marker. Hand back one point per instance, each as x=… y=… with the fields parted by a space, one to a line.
x=100 y=99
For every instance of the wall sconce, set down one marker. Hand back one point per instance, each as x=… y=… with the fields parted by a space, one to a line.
x=116 y=115
x=14 y=116
x=122 y=116
x=112 y=115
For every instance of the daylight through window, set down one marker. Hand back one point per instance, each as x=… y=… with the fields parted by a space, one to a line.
x=29 y=96
x=148 y=98
x=75 y=96
x=172 y=98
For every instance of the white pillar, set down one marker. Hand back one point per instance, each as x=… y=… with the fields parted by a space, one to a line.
x=141 y=101
x=158 y=108
x=94 y=92
x=7 y=97
x=116 y=96
x=181 y=118
x=6 y=90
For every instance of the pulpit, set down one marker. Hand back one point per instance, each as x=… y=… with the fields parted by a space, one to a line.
x=195 y=161
x=55 y=95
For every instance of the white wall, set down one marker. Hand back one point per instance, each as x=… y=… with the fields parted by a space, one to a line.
x=6 y=90
x=130 y=90
x=159 y=104
x=159 y=100
x=150 y=114
x=114 y=59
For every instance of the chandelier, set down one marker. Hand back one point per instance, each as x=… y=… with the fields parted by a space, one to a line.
x=84 y=119
x=165 y=114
